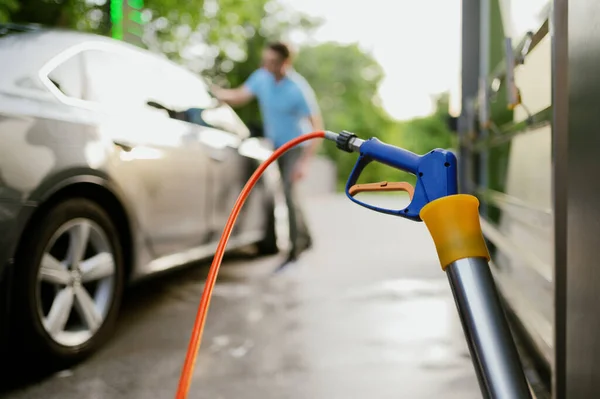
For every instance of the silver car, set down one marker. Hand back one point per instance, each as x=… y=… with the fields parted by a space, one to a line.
x=115 y=164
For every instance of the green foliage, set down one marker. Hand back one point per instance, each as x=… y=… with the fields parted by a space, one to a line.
x=7 y=7
x=76 y=14
x=421 y=135
x=176 y=28
x=276 y=23
x=346 y=81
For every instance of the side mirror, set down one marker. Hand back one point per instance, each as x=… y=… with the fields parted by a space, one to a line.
x=172 y=114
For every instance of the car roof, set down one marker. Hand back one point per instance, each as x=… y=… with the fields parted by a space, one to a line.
x=28 y=48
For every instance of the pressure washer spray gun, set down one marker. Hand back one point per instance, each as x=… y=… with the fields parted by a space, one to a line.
x=436 y=174
x=453 y=222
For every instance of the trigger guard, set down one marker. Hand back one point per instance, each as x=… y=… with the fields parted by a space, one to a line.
x=359 y=166
x=406 y=212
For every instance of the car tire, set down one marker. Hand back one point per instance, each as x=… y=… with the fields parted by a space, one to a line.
x=66 y=309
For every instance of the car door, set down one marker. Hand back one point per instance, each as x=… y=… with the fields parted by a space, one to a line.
x=220 y=133
x=235 y=156
x=161 y=164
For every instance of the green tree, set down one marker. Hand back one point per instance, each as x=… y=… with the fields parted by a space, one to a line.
x=277 y=22
x=421 y=135
x=7 y=8
x=346 y=82
x=75 y=14
x=194 y=29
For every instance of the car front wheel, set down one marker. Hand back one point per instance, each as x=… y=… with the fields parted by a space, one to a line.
x=69 y=281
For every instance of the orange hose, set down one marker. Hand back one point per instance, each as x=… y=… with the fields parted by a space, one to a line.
x=194 y=345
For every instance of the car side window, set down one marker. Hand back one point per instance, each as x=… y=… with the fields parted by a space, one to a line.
x=119 y=80
x=188 y=94
x=68 y=77
x=126 y=80
x=225 y=118
x=183 y=90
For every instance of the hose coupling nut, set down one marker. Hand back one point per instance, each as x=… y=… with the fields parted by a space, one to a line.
x=344 y=141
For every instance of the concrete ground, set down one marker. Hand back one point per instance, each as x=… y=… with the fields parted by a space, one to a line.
x=366 y=314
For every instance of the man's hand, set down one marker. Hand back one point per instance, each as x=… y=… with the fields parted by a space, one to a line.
x=234 y=97
x=217 y=91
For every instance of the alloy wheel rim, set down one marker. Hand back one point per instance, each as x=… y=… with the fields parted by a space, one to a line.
x=75 y=282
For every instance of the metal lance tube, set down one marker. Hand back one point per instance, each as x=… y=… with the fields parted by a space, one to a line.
x=453 y=222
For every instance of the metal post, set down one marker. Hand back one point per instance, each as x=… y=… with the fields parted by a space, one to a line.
x=577 y=194
x=490 y=341
x=454 y=224
x=560 y=182
x=484 y=106
x=469 y=84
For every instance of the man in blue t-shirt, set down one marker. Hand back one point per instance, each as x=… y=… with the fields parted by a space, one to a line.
x=288 y=108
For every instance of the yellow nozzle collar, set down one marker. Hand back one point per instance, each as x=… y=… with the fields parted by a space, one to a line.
x=453 y=223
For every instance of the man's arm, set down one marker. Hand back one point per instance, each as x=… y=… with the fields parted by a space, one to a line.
x=313 y=112
x=234 y=97
x=243 y=94
x=316 y=122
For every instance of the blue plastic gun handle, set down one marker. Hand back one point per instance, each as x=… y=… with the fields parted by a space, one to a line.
x=436 y=174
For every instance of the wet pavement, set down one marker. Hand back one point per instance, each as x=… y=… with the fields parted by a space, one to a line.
x=366 y=314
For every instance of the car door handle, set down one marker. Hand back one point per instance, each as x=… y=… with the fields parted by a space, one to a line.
x=124 y=146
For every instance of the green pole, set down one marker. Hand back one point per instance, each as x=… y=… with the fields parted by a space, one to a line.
x=116 y=19
x=126 y=20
